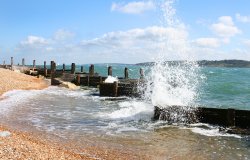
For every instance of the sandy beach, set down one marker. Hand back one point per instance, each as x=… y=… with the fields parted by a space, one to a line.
x=16 y=144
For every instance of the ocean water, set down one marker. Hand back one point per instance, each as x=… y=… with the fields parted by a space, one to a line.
x=74 y=115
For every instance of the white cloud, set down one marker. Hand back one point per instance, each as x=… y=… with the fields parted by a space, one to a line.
x=34 y=40
x=225 y=27
x=246 y=42
x=62 y=35
x=140 y=44
x=208 y=42
x=244 y=19
x=133 y=7
x=131 y=46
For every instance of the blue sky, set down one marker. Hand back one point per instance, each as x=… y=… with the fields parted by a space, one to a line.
x=98 y=31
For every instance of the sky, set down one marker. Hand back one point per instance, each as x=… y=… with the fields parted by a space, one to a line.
x=123 y=31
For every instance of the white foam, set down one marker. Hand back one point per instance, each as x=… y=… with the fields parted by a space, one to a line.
x=16 y=97
x=59 y=91
x=132 y=110
x=111 y=79
x=211 y=131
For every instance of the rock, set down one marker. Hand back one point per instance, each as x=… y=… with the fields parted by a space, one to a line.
x=5 y=133
x=69 y=85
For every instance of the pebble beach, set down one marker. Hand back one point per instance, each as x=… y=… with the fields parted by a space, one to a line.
x=19 y=144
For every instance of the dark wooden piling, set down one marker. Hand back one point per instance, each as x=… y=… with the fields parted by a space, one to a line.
x=231 y=117
x=141 y=73
x=91 y=70
x=109 y=89
x=115 y=89
x=11 y=62
x=110 y=71
x=23 y=62
x=34 y=64
x=100 y=80
x=78 y=80
x=63 y=69
x=81 y=69
x=53 y=72
x=215 y=116
x=45 y=69
x=3 y=62
x=126 y=73
x=73 y=68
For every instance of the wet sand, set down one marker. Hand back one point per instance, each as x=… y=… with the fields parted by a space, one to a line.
x=26 y=145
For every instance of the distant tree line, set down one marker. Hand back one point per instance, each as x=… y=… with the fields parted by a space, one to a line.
x=207 y=63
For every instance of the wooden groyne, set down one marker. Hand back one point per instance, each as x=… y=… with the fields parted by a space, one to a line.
x=124 y=87
x=233 y=118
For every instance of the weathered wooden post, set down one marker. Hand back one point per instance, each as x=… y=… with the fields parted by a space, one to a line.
x=91 y=70
x=52 y=72
x=87 y=80
x=100 y=80
x=126 y=73
x=23 y=62
x=115 y=89
x=11 y=63
x=141 y=73
x=34 y=64
x=4 y=62
x=73 y=68
x=45 y=69
x=231 y=117
x=110 y=71
x=82 y=69
x=78 y=79
x=63 y=70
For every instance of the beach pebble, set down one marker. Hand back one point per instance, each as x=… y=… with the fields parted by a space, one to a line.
x=4 y=133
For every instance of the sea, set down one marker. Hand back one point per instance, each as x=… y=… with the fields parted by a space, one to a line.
x=86 y=118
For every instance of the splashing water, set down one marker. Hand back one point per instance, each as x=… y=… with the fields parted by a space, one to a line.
x=173 y=83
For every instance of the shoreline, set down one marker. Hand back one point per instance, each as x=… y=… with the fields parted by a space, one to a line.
x=26 y=143
x=23 y=143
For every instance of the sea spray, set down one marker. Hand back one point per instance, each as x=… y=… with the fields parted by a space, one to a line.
x=173 y=83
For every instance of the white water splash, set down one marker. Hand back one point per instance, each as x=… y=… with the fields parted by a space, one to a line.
x=111 y=79
x=173 y=83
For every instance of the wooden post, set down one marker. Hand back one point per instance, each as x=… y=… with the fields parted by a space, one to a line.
x=82 y=69
x=87 y=80
x=11 y=63
x=34 y=64
x=63 y=70
x=78 y=79
x=141 y=73
x=231 y=117
x=45 y=69
x=52 y=71
x=110 y=71
x=100 y=80
x=91 y=70
x=4 y=64
x=115 y=89
x=23 y=62
x=73 y=68
x=126 y=73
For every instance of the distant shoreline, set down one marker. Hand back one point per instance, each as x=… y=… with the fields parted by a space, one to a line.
x=209 y=63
